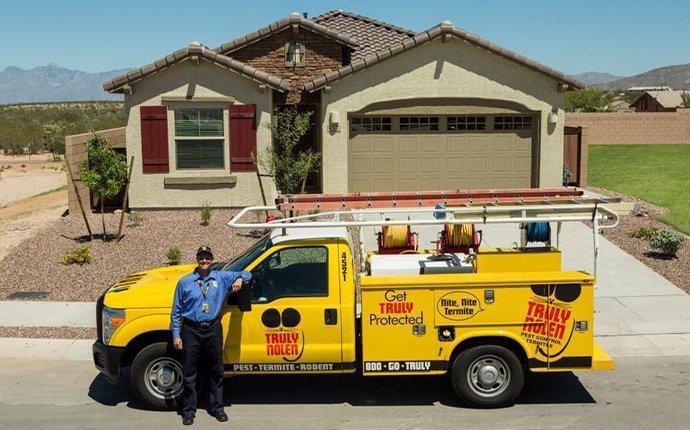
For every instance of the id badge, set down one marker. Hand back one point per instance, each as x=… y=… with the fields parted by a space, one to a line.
x=205 y=307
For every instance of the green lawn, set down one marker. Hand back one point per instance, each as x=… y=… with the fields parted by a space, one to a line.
x=658 y=174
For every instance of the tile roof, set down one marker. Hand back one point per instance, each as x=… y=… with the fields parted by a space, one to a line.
x=668 y=99
x=280 y=25
x=425 y=36
x=196 y=49
x=372 y=35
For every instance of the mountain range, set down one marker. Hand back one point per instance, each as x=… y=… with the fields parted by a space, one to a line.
x=53 y=83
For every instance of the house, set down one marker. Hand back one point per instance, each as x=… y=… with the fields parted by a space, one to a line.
x=621 y=106
x=659 y=101
x=394 y=110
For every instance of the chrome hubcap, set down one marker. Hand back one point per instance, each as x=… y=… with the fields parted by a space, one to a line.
x=488 y=376
x=164 y=378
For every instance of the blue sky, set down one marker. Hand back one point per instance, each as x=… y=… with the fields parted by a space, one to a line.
x=621 y=37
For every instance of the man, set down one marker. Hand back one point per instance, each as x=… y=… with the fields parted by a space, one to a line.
x=197 y=331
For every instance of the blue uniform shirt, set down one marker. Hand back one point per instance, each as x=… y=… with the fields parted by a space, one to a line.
x=189 y=298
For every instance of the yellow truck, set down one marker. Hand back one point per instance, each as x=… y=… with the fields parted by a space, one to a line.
x=488 y=317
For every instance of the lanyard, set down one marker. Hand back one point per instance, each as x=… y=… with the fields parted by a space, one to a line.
x=204 y=289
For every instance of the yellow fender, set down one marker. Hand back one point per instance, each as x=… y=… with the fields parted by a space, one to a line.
x=138 y=326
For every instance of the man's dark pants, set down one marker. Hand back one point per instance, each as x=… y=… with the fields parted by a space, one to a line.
x=202 y=346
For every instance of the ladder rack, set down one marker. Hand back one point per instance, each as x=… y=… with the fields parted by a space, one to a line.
x=301 y=202
x=434 y=208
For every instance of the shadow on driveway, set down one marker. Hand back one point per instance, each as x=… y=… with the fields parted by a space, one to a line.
x=556 y=388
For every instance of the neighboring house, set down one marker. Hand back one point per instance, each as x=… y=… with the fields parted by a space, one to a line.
x=621 y=106
x=393 y=110
x=659 y=101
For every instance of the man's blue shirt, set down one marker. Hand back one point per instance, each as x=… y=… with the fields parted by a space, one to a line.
x=189 y=297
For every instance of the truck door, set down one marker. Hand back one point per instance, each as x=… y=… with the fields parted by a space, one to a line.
x=295 y=321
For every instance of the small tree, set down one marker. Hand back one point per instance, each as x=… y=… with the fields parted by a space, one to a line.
x=586 y=100
x=288 y=165
x=104 y=171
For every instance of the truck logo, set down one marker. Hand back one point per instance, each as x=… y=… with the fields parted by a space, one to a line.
x=282 y=339
x=548 y=321
x=459 y=306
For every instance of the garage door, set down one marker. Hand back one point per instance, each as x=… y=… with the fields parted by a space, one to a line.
x=417 y=153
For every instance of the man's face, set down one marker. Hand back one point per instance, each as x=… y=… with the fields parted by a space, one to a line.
x=204 y=260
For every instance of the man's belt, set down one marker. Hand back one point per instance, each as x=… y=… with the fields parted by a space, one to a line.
x=204 y=324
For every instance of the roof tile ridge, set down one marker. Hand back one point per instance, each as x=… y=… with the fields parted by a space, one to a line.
x=281 y=24
x=336 y=12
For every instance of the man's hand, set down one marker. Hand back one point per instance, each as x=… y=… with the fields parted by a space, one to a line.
x=237 y=285
x=177 y=343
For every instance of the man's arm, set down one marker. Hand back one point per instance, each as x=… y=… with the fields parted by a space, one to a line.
x=176 y=314
x=232 y=281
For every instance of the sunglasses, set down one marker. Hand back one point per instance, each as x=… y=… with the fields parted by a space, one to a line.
x=204 y=257
x=562 y=292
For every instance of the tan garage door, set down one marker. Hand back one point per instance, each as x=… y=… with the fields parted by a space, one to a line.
x=440 y=152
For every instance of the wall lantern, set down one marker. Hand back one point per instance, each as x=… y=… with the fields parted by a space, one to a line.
x=334 y=120
x=553 y=118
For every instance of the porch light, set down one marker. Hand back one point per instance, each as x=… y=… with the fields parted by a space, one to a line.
x=334 y=120
x=553 y=118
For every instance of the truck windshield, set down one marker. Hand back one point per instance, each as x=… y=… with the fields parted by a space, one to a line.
x=239 y=263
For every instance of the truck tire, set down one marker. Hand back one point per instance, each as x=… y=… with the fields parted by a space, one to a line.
x=156 y=376
x=488 y=376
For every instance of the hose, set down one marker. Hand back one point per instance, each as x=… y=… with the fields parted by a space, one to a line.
x=460 y=234
x=395 y=236
x=538 y=232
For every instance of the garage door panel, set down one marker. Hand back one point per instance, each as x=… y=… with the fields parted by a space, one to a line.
x=383 y=165
x=456 y=164
x=477 y=164
x=432 y=161
x=407 y=144
x=408 y=165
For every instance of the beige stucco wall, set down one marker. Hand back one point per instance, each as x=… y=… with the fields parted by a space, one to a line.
x=440 y=70
x=189 y=80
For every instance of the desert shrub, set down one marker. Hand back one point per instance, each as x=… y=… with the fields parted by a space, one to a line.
x=643 y=232
x=80 y=256
x=667 y=241
x=205 y=215
x=135 y=219
x=174 y=255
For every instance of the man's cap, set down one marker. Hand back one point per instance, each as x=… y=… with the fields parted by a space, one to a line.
x=204 y=250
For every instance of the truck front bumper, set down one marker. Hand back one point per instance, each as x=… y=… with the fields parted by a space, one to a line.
x=107 y=360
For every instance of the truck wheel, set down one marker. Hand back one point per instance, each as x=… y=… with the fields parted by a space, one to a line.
x=488 y=376
x=156 y=376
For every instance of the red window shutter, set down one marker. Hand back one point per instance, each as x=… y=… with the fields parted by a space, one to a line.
x=242 y=138
x=154 y=139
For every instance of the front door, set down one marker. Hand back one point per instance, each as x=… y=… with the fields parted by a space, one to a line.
x=294 y=324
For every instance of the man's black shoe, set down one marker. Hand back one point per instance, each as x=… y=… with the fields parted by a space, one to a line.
x=220 y=415
x=188 y=420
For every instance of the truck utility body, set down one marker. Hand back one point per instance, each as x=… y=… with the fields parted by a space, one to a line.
x=487 y=316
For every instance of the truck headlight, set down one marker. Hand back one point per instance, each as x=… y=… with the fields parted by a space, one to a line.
x=112 y=319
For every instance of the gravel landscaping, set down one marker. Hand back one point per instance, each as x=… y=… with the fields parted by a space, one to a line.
x=49 y=332
x=33 y=270
x=675 y=269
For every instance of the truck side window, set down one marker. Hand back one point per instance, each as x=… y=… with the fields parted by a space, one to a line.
x=292 y=272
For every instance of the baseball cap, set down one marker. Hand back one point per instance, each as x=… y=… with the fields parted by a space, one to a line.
x=204 y=250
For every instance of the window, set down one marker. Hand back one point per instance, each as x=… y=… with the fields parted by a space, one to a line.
x=418 y=123
x=370 y=124
x=292 y=272
x=294 y=54
x=199 y=138
x=513 y=122
x=465 y=123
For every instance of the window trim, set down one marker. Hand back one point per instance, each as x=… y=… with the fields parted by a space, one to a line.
x=303 y=296
x=224 y=138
